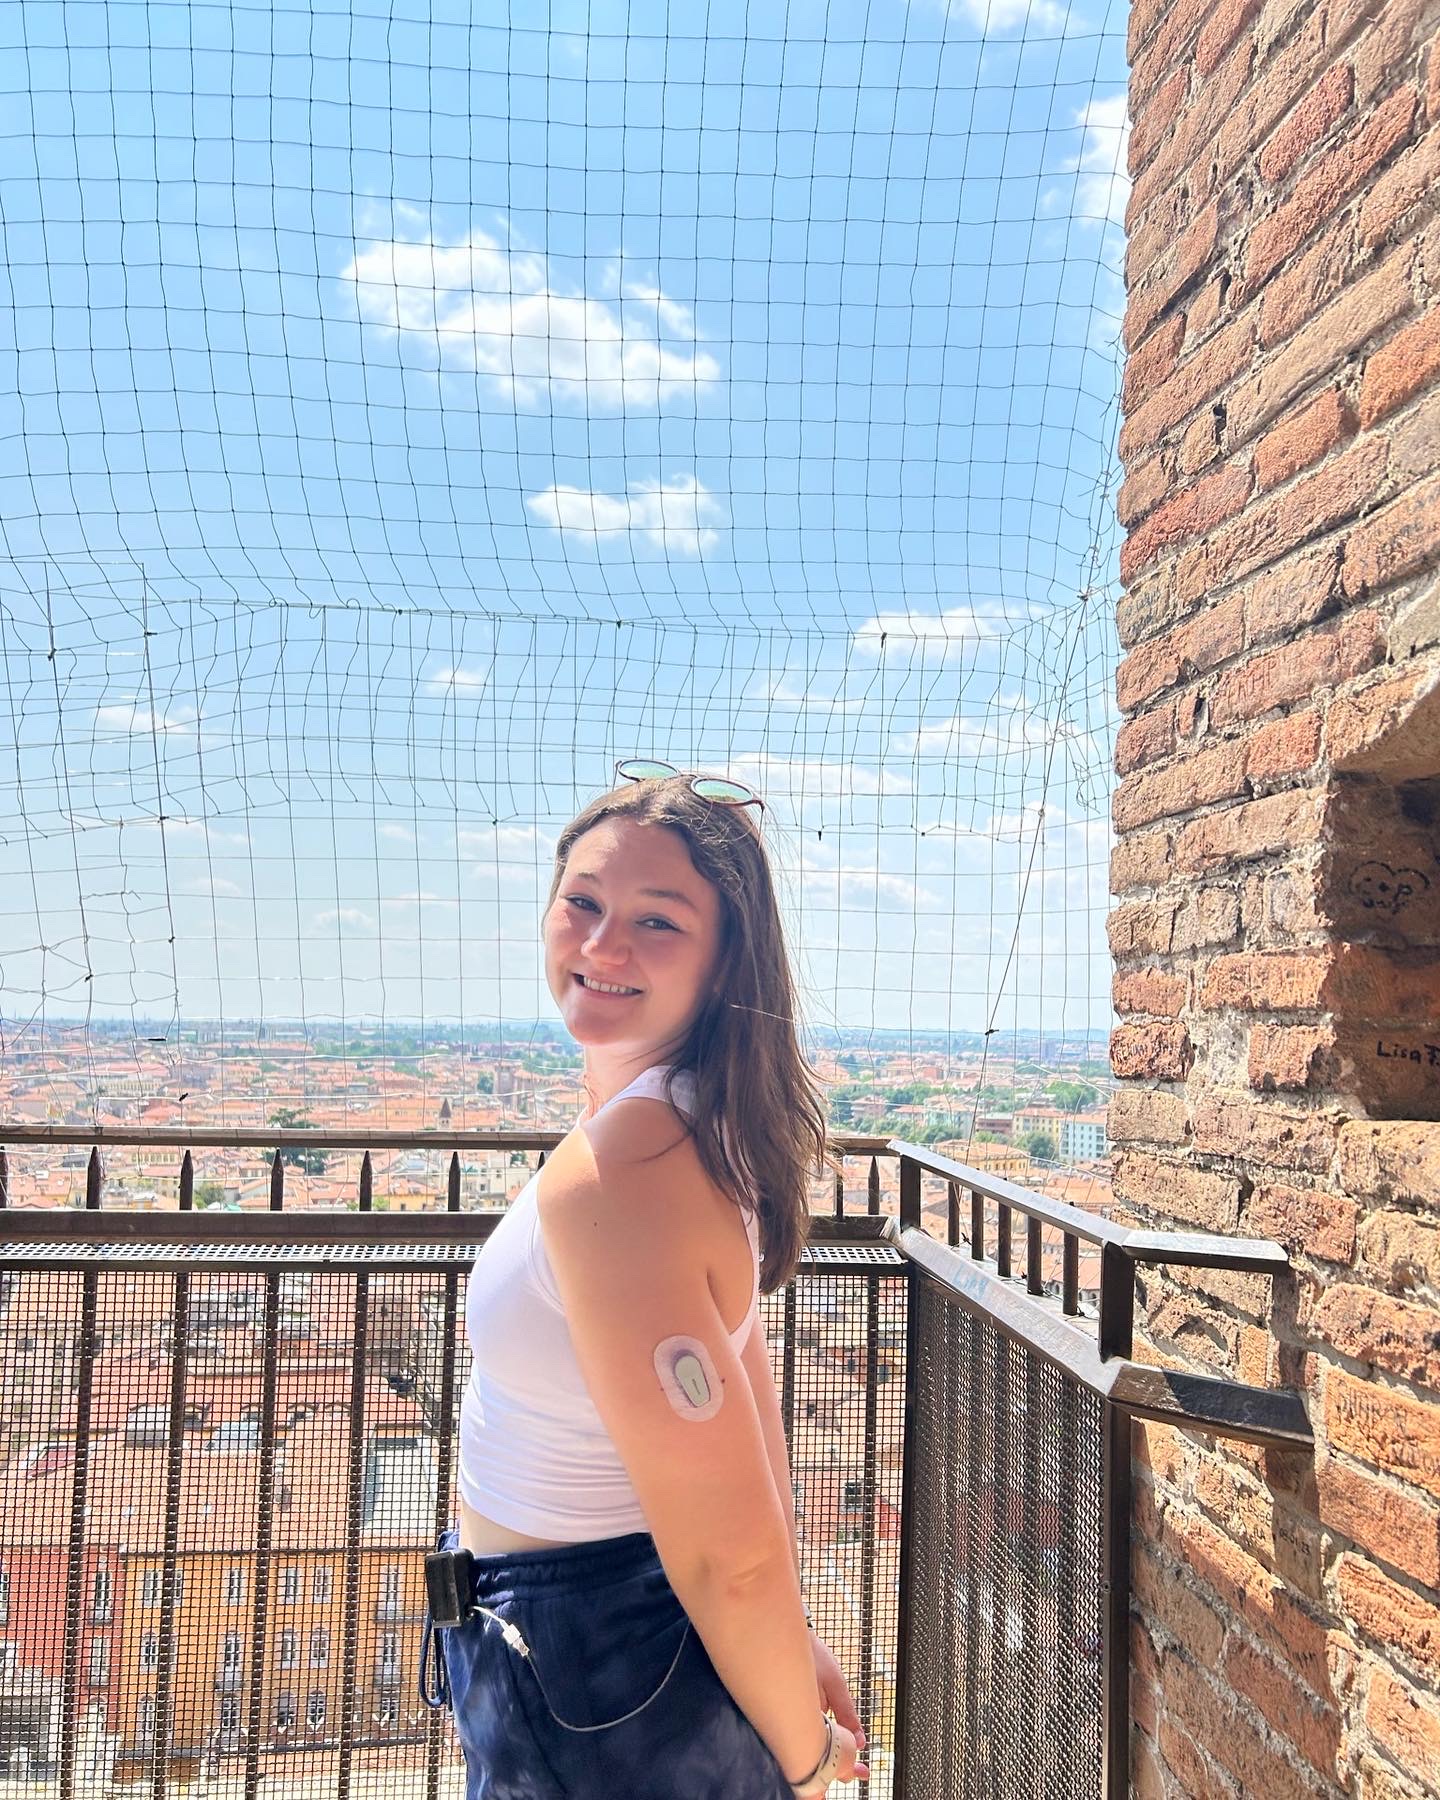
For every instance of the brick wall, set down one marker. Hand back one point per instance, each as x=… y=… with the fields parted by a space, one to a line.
x=1276 y=926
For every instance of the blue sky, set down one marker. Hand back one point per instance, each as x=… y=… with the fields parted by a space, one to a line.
x=403 y=417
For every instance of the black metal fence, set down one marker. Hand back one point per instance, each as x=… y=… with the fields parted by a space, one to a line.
x=228 y=1436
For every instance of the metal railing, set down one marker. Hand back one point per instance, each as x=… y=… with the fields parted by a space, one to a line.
x=958 y=1430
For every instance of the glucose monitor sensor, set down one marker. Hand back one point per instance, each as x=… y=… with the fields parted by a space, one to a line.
x=688 y=1378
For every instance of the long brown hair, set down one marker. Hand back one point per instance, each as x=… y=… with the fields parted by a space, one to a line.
x=759 y=1120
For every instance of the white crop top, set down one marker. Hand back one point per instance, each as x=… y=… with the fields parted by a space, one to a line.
x=533 y=1453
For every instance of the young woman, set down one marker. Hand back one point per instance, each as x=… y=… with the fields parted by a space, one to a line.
x=633 y=1623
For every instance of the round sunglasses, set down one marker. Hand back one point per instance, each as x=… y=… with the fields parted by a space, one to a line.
x=718 y=788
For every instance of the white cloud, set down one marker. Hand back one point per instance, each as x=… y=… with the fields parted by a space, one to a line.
x=680 y=517
x=490 y=307
x=953 y=628
x=345 y=918
x=132 y=717
x=398 y=834
x=1102 y=186
x=457 y=680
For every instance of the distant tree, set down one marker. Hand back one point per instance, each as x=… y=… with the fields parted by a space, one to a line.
x=1040 y=1144
x=298 y=1156
x=485 y=1082
x=1072 y=1096
x=209 y=1193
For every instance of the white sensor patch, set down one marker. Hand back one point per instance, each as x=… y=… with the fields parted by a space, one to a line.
x=688 y=1378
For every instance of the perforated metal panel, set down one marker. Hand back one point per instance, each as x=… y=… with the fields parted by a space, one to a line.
x=1003 y=1604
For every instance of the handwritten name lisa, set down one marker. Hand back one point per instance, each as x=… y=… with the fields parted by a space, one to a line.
x=1428 y=1054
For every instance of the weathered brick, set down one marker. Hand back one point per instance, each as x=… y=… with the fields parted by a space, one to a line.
x=1322 y=658
x=1358 y=316
x=1329 y=181
x=1267 y=980
x=1303 y=438
x=1295 y=593
x=1227 y=1124
x=1196 y=1330
x=1403 y=1249
x=1394 y=542
x=1141 y=860
x=1363 y=728
x=1395 y=1617
x=1143 y=928
x=1203 y=777
x=1190 y=648
x=1294 y=294
x=1198 y=1777
x=1163 y=284
x=1308 y=1221
x=1149 y=606
x=1148 y=991
x=1371 y=985
x=1229 y=1736
x=1308 y=123
x=1223 y=25
x=1154 y=1052
x=1198 y=378
x=1283 y=747
x=1149 y=129
x=1399 y=1335
x=1156 y=39
x=1148 y=366
x=1206 y=1198
x=1185 y=1616
x=1290 y=1057
x=1407 y=1725
x=1144 y=739
x=1313 y=1729
x=1338 y=490
x=1141 y=491
x=1379 y=1518
x=1378 y=1781
x=1400 y=368
x=1410 y=181
x=1205 y=915
x=1279 y=822
x=1188 y=514
x=1384 y=1427
x=1280 y=1621
x=1147 y=1115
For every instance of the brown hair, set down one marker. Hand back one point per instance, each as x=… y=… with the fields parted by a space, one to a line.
x=759 y=1120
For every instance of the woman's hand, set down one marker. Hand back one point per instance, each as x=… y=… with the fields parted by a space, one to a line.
x=835 y=1699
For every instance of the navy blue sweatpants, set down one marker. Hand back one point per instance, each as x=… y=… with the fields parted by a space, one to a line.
x=613 y=1656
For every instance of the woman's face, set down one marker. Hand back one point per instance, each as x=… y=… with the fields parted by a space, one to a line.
x=632 y=938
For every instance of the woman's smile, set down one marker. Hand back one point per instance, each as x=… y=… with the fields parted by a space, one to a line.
x=610 y=989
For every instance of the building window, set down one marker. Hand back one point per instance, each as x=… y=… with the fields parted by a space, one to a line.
x=101 y=1596
x=9 y=1656
x=289 y=1648
x=320 y=1587
x=150 y=1650
x=285 y=1712
x=147 y=1715
x=320 y=1648
x=4 y=1596
x=229 y=1716
x=854 y=1498
x=234 y=1587
x=99 y=1671
x=315 y=1709
x=230 y=1650
x=290 y=1584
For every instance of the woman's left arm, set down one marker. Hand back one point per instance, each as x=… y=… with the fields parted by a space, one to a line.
x=834 y=1691
x=756 y=1360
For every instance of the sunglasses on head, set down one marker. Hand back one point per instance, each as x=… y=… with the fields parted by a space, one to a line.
x=718 y=788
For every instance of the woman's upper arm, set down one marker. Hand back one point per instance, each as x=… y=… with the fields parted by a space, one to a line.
x=626 y=1241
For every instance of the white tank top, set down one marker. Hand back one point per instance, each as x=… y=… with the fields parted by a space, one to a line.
x=533 y=1453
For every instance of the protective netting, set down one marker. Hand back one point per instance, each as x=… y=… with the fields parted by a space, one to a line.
x=409 y=414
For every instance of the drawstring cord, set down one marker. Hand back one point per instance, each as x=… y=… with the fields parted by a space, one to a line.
x=437 y=1694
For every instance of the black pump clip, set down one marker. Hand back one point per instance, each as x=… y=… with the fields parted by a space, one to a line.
x=449 y=1586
